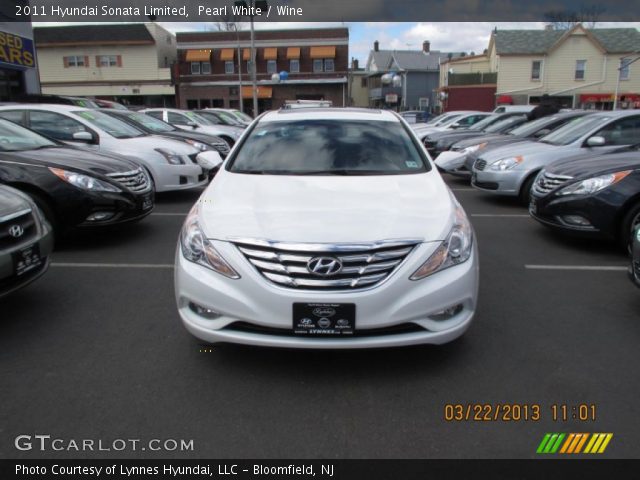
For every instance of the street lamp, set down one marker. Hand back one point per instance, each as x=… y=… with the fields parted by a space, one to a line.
x=623 y=64
x=252 y=6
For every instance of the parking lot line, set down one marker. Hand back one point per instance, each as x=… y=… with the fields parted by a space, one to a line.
x=463 y=189
x=111 y=265
x=603 y=268
x=170 y=214
x=500 y=215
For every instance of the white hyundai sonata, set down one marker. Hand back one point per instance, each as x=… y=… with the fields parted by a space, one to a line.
x=327 y=228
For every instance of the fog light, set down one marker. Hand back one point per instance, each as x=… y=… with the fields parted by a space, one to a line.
x=204 y=312
x=447 y=313
x=100 y=216
x=576 y=220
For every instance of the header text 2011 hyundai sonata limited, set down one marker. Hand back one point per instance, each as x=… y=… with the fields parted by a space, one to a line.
x=327 y=228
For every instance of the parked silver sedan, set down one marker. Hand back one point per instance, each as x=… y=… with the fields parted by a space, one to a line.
x=511 y=170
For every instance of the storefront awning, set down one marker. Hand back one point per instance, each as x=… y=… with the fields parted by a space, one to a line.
x=198 y=55
x=227 y=54
x=323 y=52
x=508 y=99
x=608 y=97
x=270 y=53
x=263 y=92
x=246 y=54
x=293 y=53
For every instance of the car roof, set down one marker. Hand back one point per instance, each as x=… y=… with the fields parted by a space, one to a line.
x=47 y=106
x=329 y=113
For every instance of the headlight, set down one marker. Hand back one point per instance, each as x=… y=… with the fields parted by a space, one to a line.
x=85 y=182
x=199 y=145
x=198 y=249
x=507 y=163
x=455 y=249
x=594 y=184
x=474 y=148
x=170 y=156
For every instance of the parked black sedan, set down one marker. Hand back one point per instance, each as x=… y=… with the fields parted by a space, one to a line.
x=73 y=187
x=595 y=196
x=634 y=268
x=155 y=126
x=26 y=240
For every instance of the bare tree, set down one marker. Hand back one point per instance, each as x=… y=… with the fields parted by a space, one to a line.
x=565 y=19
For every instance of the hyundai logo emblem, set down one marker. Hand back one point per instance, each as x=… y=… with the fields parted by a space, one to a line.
x=324 y=266
x=16 y=231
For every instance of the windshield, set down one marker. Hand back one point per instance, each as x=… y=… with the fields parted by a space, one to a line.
x=439 y=118
x=531 y=128
x=228 y=118
x=150 y=123
x=114 y=127
x=329 y=147
x=501 y=125
x=15 y=138
x=199 y=119
x=575 y=130
x=485 y=122
x=242 y=116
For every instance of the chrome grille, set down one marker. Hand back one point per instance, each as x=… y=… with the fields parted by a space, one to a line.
x=23 y=226
x=480 y=164
x=134 y=180
x=547 y=182
x=362 y=265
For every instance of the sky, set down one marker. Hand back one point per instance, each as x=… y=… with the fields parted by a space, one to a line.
x=444 y=36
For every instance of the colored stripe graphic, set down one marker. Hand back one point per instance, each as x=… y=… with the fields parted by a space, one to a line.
x=573 y=443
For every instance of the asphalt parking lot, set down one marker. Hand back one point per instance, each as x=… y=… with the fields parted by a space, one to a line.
x=95 y=349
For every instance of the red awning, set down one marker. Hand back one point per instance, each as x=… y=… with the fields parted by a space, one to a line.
x=504 y=99
x=596 y=97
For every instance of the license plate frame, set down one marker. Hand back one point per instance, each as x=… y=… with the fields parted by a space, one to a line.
x=324 y=319
x=26 y=259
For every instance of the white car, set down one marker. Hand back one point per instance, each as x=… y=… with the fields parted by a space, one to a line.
x=327 y=228
x=192 y=121
x=173 y=165
x=459 y=119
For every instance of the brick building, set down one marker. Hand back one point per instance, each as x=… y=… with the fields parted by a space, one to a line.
x=316 y=61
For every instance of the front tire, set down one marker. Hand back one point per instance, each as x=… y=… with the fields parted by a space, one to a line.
x=628 y=224
x=525 y=190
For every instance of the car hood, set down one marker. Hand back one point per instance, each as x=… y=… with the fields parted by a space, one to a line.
x=11 y=202
x=470 y=142
x=327 y=209
x=526 y=148
x=68 y=157
x=197 y=136
x=130 y=146
x=585 y=165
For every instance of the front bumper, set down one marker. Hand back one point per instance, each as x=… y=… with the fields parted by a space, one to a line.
x=179 y=177
x=388 y=307
x=9 y=281
x=506 y=182
x=554 y=211
x=125 y=207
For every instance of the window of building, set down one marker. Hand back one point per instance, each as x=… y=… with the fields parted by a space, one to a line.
x=318 y=65
x=205 y=103
x=205 y=68
x=229 y=67
x=191 y=105
x=75 y=61
x=581 y=66
x=363 y=82
x=195 y=68
x=272 y=66
x=536 y=66
x=624 y=69
x=248 y=66
x=294 y=65
x=107 y=61
x=328 y=65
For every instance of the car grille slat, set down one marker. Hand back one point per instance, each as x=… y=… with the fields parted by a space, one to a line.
x=25 y=221
x=362 y=265
x=134 y=180
x=546 y=182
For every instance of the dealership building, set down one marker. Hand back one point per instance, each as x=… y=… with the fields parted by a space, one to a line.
x=213 y=67
x=18 y=65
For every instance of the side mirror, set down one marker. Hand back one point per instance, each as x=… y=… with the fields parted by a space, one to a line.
x=82 y=136
x=209 y=160
x=455 y=126
x=542 y=133
x=193 y=125
x=596 y=141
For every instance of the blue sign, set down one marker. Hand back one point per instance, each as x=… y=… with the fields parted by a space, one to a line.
x=16 y=51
